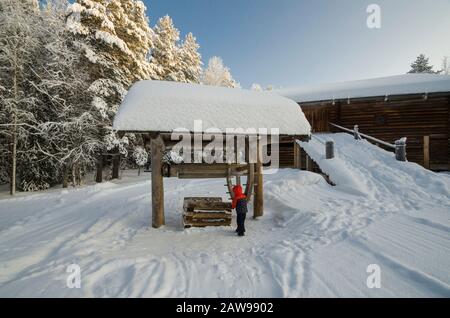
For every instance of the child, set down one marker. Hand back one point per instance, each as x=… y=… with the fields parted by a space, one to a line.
x=240 y=204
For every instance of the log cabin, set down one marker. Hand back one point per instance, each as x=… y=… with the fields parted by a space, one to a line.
x=415 y=106
x=239 y=123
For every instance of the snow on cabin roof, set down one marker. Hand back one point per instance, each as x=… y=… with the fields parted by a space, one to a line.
x=168 y=106
x=393 y=85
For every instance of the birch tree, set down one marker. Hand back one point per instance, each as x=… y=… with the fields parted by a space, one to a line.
x=19 y=23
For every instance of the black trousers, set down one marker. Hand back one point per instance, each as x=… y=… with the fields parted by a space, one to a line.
x=240 y=218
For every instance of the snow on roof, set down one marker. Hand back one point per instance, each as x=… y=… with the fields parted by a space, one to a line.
x=383 y=86
x=168 y=106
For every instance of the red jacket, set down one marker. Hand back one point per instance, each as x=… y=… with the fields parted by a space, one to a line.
x=237 y=190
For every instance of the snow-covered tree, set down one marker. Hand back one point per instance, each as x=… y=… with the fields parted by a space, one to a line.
x=68 y=126
x=217 y=74
x=256 y=87
x=165 y=58
x=116 y=39
x=191 y=60
x=19 y=24
x=422 y=65
x=140 y=157
x=445 y=69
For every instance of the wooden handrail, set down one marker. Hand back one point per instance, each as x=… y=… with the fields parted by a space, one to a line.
x=399 y=146
x=384 y=143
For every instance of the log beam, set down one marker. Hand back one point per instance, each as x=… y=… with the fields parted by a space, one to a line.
x=258 y=204
x=157 y=149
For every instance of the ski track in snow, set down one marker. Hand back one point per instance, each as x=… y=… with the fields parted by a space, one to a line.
x=314 y=239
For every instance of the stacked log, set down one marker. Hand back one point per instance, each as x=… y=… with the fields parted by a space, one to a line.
x=206 y=211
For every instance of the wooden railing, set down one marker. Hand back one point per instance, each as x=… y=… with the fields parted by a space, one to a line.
x=399 y=146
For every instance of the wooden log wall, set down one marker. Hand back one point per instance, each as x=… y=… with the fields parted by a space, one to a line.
x=411 y=116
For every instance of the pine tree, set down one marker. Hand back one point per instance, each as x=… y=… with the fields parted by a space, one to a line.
x=166 y=59
x=115 y=38
x=216 y=74
x=421 y=65
x=191 y=60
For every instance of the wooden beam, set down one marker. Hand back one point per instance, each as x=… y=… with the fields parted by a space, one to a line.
x=309 y=163
x=297 y=156
x=426 y=152
x=157 y=149
x=250 y=181
x=258 y=203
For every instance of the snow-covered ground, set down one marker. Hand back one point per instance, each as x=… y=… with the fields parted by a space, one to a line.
x=314 y=239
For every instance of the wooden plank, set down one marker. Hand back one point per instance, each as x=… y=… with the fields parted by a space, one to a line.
x=207 y=215
x=157 y=149
x=188 y=224
x=213 y=206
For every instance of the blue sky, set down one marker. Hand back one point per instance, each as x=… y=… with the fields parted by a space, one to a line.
x=296 y=42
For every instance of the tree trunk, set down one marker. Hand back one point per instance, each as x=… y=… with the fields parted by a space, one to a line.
x=99 y=175
x=13 y=158
x=116 y=166
x=65 y=176
x=78 y=176
x=74 y=181
x=14 y=134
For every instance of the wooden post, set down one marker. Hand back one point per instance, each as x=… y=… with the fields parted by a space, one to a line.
x=297 y=156
x=258 y=203
x=157 y=149
x=309 y=163
x=329 y=149
x=356 y=132
x=426 y=152
x=400 y=149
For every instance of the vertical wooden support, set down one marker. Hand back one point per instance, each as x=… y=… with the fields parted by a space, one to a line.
x=258 y=203
x=157 y=149
x=329 y=149
x=400 y=149
x=297 y=156
x=426 y=152
x=309 y=163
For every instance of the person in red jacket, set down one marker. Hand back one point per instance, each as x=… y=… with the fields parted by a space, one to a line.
x=240 y=204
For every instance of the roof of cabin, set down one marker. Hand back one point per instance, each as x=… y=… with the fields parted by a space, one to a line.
x=405 y=84
x=159 y=106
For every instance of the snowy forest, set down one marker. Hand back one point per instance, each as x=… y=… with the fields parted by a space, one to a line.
x=64 y=70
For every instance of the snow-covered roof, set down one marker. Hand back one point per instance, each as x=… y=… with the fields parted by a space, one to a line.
x=384 y=86
x=168 y=106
